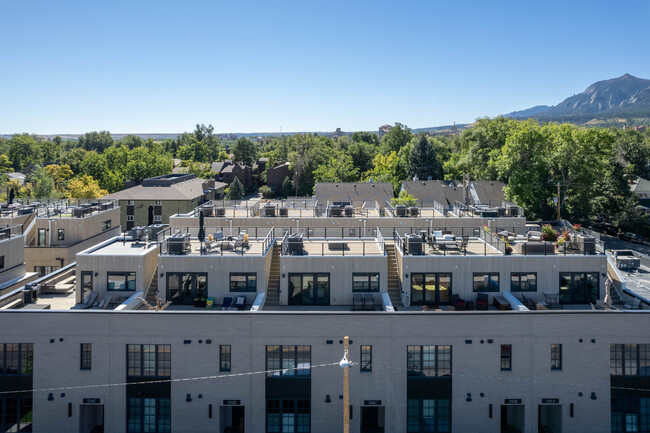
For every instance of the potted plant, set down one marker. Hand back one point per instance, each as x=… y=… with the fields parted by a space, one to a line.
x=560 y=243
x=548 y=234
x=199 y=302
x=508 y=249
x=577 y=228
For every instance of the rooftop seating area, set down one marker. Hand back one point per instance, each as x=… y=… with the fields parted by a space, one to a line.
x=297 y=244
x=216 y=242
x=56 y=208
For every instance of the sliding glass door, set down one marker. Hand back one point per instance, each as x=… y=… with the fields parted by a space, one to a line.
x=430 y=289
x=309 y=289
x=183 y=288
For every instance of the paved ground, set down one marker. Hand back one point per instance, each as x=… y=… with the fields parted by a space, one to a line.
x=614 y=243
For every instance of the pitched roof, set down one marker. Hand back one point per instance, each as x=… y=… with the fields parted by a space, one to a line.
x=641 y=186
x=354 y=192
x=447 y=192
x=489 y=190
x=186 y=190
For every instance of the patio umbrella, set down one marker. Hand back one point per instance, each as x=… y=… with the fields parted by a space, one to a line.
x=150 y=218
x=608 y=293
x=12 y=194
x=201 y=226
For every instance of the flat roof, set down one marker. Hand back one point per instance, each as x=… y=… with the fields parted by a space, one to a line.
x=128 y=248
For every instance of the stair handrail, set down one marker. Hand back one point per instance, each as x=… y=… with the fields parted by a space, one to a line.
x=146 y=293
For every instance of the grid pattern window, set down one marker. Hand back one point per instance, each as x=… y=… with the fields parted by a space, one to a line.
x=149 y=360
x=15 y=414
x=224 y=357
x=151 y=415
x=16 y=359
x=106 y=225
x=288 y=416
x=366 y=358
x=120 y=281
x=365 y=282
x=428 y=361
x=556 y=357
x=40 y=241
x=631 y=414
x=506 y=357
x=130 y=203
x=486 y=282
x=523 y=282
x=44 y=270
x=130 y=218
x=243 y=282
x=86 y=359
x=428 y=415
x=579 y=287
x=288 y=361
x=157 y=203
x=60 y=234
x=157 y=218
x=630 y=359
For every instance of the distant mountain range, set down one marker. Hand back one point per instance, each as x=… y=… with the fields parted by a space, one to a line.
x=623 y=97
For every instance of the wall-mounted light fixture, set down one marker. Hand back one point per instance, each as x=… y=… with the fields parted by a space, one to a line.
x=97 y=274
x=50 y=397
x=188 y=398
x=593 y=396
x=328 y=399
x=469 y=397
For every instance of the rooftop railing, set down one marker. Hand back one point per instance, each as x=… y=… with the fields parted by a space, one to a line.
x=57 y=209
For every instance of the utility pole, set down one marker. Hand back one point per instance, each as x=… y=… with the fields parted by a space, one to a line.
x=346 y=387
x=558 y=201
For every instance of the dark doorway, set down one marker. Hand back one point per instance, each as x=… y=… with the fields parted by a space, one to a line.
x=372 y=419
x=231 y=419
x=550 y=418
x=512 y=418
x=91 y=418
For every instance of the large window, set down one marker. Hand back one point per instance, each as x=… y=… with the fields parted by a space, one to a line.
x=120 y=281
x=44 y=270
x=428 y=361
x=16 y=414
x=149 y=360
x=486 y=282
x=430 y=289
x=60 y=235
x=366 y=358
x=16 y=359
x=86 y=358
x=309 y=289
x=106 y=225
x=243 y=282
x=151 y=415
x=579 y=287
x=183 y=288
x=506 y=357
x=288 y=361
x=429 y=415
x=556 y=357
x=365 y=282
x=523 y=282
x=41 y=240
x=629 y=359
x=224 y=357
x=630 y=414
x=288 y=416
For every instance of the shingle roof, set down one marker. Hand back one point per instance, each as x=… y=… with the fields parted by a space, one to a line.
x=187 y=190
x=447 y=192
x=641 y=186
x=354 y=192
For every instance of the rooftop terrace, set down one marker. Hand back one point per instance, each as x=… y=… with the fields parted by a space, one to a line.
x=56 y=208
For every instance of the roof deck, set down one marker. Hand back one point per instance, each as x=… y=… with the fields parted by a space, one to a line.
x=56 y=208
x=215 y=242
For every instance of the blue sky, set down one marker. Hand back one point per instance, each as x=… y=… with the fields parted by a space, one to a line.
x=254 y=66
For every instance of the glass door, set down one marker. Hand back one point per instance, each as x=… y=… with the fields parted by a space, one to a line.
x=86 y=283
x=309 y=289
x=322 y=290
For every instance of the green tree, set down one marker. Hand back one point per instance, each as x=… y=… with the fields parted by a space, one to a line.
x=245 y=151
x=337 y=169
x=42 y=184
x=287 y=187
x=51 y=150
x=75 y=158
x=23 y=151
x=235 y=191
x=422 y=162
x=397 y=137
x=366 y=137
x=130 y=141
x=84 y=187
x=5 y=164
x=98 y=141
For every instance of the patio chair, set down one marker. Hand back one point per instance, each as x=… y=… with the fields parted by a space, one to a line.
x=457 y=303
x=240 y=304
x=634 y=305
x=105 y=302
x=482 y=301
x=227 y=303
x=368 y=302
x=357 y=302
x=217 y=236
x=90 y=300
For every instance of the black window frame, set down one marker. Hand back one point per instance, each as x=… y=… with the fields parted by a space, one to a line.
x=38 y=238
x=414 y=415
x=368 y=288
x=365 y=358
x=225 y=357
x=486 y=289
x=246 y=289
x=60 y=234
x=126 y=276
x=556 y=357
x=85 y=356
x=505 y=357
x=2 y=262
x=106 y=225
x=162 y=413
x=16 y=412
x=622 y=407
x=293 y=372
x=519 y=275
x=288 y=406
x=24 y=367
x=630 y=357
x=161 y=364
x=416 y=367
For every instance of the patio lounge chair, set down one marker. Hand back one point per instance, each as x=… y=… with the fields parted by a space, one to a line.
x=105 y=302
x=482 y=300
x=90 y=300
x=368 y=302
x=457 y=303
x=357 y=302
x=240 y=304
x=227 y=303
x=634 y=305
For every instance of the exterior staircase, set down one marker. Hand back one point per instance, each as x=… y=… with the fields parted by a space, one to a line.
x=273 y=286
x=394 y=287
x=150 y=296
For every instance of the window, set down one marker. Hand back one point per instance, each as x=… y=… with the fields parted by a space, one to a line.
x=148 y=415
x=15 y=414
x=365 y=282
x=157 y=218
x=86 y=356
x=130 y=203
x=630 y=414
x=16 y=359
x=523 y=282
x=2 y=262
x=579 y=287
x=309 y=289
x=149 y=360
x=428 y=361
x=120 y=281
x=428 y=415
x=630 y=359
x=44 y=270
x=506 y=357
x=157 y=203
x=486 y=282
x=60 y=234
x=41 y=237
x=366 y=358
x=288 y=361
x=288 y=416
x=243 y=282
x=183 y=288
x=430 y=289
x=106 y=225
x=224 y=357
x=556 y=357
x=130 y=218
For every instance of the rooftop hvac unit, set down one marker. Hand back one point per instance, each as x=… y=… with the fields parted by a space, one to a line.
x=178 y=243
x=349 y=211
x=400 y=210
x=208 y=211
x=489 y=213
x=414 y=211
x=336 y=211
x=26 y=210
x=295 y=244
x=154 y=229
x=269 y=211
x=284 y=212
x=139 y=233
x=414 y=244
x=220 y=212
x=78 y=212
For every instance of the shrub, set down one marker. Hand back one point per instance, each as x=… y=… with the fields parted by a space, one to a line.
x=548 y=234
x=266 y=191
